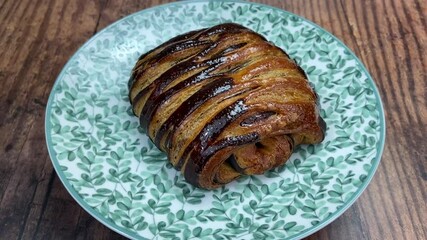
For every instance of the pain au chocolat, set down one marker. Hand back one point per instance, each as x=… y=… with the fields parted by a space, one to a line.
x=224 y=102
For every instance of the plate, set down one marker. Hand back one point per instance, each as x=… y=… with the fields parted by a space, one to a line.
x=115 y=173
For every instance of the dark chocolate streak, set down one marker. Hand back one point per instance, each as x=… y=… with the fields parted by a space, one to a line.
x=322 y=125
x=200 y=159
x=256 y=118
x=192 y=103
x=202 y=33
x=190 y=43
x=170 y=75
x=211 y=131
x=158 y=97
x=225 y=28
x=234 y=164
x=168 y=51
x=291 y=141
x=229 y=96
x=178 y=38
x=230 y=48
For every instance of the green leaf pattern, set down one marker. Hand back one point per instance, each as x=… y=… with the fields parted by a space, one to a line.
x=117 y=171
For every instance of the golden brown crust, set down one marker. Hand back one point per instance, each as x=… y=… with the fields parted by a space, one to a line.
x=222 y=102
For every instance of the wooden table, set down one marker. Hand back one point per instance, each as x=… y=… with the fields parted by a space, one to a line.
x=38 y=37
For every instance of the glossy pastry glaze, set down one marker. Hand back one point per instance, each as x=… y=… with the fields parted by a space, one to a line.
x=223 y=102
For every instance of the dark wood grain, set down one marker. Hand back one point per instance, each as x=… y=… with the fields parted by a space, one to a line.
x=38 y=37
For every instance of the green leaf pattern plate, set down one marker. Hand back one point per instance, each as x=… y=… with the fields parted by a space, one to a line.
x=116 y=174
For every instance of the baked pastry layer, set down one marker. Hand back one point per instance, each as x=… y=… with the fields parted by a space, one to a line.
x=224 y=102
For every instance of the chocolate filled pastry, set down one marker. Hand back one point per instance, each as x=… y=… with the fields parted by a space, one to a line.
x=224 y=102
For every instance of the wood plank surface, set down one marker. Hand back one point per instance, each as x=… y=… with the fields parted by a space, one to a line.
x=38 y=37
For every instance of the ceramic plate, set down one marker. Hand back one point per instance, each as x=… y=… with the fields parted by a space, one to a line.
x=116 y=174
